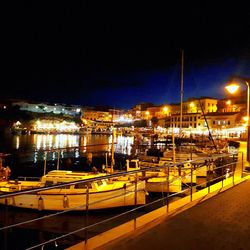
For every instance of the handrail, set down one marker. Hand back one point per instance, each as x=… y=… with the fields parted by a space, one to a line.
x=114 y=175
x=108 y=176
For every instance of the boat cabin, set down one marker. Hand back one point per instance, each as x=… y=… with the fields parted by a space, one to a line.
x=63 y=176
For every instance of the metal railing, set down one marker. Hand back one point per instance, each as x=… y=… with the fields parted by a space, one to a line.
x=219 y=168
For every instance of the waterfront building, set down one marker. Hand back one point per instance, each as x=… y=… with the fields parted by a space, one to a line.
x=138 y=111
x=97 y=115
x=232 y=105
x=199 y=105
x=189 y=120
x=43 y=107
x=226 y=124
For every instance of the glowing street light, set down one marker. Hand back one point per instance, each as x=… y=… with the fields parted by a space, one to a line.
x=232 y=88
x=165 y=110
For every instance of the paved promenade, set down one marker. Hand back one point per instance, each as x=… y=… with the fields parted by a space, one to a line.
x=221 y=222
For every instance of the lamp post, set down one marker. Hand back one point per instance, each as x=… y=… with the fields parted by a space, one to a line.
x=232 y=88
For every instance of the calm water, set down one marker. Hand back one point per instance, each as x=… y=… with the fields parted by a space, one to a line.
x=27 y=152
x=38 y=142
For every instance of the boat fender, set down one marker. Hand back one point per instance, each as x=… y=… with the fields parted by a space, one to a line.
x=40 y=204
x=65 y=201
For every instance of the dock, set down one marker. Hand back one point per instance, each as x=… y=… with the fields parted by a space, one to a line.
x=219 y=220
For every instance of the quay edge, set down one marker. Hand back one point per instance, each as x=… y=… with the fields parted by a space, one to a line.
x=149 y=220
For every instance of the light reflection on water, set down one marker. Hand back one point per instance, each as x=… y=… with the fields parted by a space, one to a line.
x=37 y=143
x=47 y=142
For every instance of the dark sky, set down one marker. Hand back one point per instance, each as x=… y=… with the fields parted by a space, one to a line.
x=121 y=53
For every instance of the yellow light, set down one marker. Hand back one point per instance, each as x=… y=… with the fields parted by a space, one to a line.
x=232 y=88
x=165 y=109
x=147 y=112
x=245 y=118
x=228 y=102
x=191 y=104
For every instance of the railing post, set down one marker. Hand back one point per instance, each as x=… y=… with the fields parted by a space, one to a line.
x=45 y=163
x=233 y=174
x=136 y=189
x=58 y=160
x=106 y=160
x=191 y=187
x=242 y=164
x=168 y=190
x=136 y=177
x=87 y=213
x=208 y=181
x=222 y=176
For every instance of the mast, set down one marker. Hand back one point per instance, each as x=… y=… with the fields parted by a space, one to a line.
x=113 y=151
x=182 y=79
x=113 y=146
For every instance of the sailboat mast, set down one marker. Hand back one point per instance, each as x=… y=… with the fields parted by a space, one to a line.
x=182 y=91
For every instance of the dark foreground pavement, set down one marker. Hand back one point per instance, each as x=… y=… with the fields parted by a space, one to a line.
x=221 y=222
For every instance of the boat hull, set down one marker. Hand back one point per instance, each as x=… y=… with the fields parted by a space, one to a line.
x=160 y=184
x=66 y=199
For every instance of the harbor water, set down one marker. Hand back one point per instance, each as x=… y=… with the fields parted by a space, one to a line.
x=27 y=159
x=27 y=152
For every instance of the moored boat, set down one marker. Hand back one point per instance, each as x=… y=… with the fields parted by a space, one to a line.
x=157 y=180
x=81 y=191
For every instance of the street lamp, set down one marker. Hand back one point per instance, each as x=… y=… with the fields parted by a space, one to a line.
x=232 y=88
x=165 y=110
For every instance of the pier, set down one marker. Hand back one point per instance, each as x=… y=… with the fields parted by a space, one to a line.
x=219 y=220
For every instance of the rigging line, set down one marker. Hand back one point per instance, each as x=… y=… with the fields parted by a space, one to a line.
x=209 y=132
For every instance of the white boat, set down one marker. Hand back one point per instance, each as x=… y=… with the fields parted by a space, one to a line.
x=100 y=194
x=157 y=181
x=187 y=174
x=164 y=184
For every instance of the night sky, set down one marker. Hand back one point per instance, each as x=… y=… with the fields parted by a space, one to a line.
x=121 y=53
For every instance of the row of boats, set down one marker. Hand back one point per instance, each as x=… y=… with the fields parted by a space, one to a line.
x=68 y=190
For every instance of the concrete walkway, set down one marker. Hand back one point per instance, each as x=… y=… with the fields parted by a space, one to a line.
x=221 y=222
